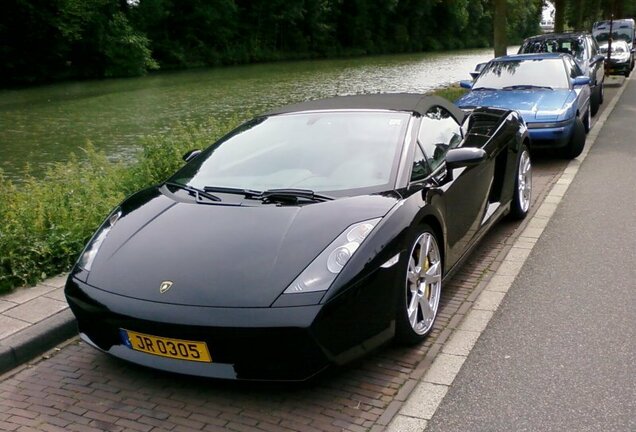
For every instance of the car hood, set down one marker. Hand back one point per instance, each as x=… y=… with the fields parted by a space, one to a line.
x=216 y=255
x=533 y=105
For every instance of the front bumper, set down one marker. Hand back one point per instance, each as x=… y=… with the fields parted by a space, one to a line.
x=550 y=135
x=614 y=67
x=274 y=344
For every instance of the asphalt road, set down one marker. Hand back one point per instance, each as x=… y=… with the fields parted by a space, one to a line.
x=78 y=388
x=559 y=353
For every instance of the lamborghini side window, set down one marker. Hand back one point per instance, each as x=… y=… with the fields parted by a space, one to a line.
x=420 y=165
x=439 y=132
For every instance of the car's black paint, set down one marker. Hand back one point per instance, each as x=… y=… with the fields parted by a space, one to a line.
x=231 y=263
x=152 y=239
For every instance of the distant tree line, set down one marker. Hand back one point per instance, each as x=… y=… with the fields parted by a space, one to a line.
x=581 y=14
x=48 y=40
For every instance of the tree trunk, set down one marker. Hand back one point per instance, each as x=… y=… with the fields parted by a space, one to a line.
x=578 y=25
x=618 y=9
x=500 y=26
x=559 y=15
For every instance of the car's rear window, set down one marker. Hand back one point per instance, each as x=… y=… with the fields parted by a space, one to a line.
x=574 y=46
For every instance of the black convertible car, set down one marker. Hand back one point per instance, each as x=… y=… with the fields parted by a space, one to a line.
x=305 y=238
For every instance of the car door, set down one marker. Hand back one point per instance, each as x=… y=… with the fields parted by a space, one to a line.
x=597 y=62
x=582 y=92
x=465 y=190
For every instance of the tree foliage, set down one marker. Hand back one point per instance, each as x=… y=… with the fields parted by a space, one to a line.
x=579 y=15
x=45 y=40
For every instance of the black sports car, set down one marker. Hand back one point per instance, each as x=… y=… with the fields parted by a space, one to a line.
x=306 y=237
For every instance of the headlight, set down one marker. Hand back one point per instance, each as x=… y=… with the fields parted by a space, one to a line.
x=90 y=251
x=320 y=274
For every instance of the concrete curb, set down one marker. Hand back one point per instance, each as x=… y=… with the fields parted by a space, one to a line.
x=36 y=339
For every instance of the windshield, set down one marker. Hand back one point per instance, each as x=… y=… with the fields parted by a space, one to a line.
x=573 y=46
x=620 y=34
x=526 y=72
x=321 y=151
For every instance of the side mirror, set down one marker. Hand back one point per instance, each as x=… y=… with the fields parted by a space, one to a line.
x=581 y=80
x=466 y=84
x=478 y=68
x=191 y=155
x=597 y=58
x=464 y=157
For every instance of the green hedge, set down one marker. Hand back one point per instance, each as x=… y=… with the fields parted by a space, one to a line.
x=45 y=222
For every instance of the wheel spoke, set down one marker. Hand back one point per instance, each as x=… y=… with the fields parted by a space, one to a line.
x=427 y=311
x=433 y=275
x=413 y=273
x=412 y=310
x=425 y=249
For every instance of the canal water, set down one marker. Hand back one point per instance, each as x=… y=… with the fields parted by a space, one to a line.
x=45 y=124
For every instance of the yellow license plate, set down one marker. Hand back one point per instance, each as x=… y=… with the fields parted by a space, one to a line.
x=167 y=347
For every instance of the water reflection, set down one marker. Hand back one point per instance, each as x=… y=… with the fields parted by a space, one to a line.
x=44 y=124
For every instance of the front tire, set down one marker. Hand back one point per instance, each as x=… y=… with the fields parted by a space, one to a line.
x=577 y=141
x=418 y=300
x=522 y=194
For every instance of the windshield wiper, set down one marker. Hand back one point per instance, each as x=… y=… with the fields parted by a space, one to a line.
x=198 y=193
x=526 y=86
x=485 y=88
x=293 y=195
x=248 y=193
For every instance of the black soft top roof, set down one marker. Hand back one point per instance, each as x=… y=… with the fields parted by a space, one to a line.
x=408 y=102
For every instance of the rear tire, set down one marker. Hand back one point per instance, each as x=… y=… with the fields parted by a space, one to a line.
x=522 y=194
x=587 y=120
x=418 y=299
x=601 y=92
x=577 y=141
x=596 y=99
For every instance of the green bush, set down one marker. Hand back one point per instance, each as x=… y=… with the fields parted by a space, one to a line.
x=44 y=223
x=452 y=93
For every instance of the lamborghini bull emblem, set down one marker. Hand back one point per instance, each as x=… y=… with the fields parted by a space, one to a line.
x=165 y=286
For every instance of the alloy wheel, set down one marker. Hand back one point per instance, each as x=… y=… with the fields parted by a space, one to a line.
x=423 y=283
x=524 y=181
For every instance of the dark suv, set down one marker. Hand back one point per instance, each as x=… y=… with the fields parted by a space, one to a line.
x=585 y=51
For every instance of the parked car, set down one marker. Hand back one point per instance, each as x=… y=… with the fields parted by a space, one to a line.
x=549 y=90
x=585 y=51
x=306 y=237
x=620 y=60
x=621 y=29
